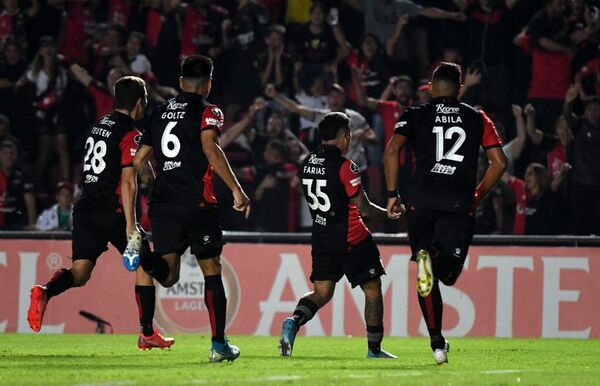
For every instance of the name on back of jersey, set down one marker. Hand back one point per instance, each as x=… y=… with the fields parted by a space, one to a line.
x=173 y=115
x=101 y=132
x=447 y=119
x=314 y=170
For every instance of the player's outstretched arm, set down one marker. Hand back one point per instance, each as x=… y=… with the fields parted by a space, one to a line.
x=368 y=208
x=216 y=157
x=494 y=173
x=390 y=166
x=128 y=196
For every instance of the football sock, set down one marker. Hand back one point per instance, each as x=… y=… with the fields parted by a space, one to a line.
x=374 y=337
x=61 y=281
x=216 y=302
x=432 y=308
x=145 y=297
x=305 y=310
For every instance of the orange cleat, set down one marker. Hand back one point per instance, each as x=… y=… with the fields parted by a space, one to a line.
x=37 y=307
x=154 y=341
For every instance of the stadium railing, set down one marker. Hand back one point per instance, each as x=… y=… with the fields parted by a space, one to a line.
x=382 y=238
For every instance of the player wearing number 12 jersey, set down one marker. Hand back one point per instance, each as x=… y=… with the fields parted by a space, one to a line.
x=183 y=136
x=341 y=243
x=446 y=136
x=105 y=212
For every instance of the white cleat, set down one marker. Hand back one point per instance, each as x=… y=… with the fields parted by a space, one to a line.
x=131 y=256
x=425 y=275
x=441 y=354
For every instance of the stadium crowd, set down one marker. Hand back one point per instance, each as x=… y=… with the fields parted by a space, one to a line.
x=532 y=65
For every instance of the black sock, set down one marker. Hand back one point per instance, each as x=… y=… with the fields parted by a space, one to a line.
x=374 y=337
x=432 y=308
x=216 y=302
x=145 y=298
x=153 y=264
x=61 y=281
x=305 y=310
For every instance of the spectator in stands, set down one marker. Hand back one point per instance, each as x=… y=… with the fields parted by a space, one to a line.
x=201 y=33
x=276 y=197
x=243 y=38
x=551 y=62
x=102 y=94
x=5 y=130
x=78 y=31
x=274 y=65
x=17 y=201
x=513 y=148
x=382 y=18
x=315 y=97
x=586 y=164
x=59 y=217
x=373 y=66
x=12 y=67
x=361 y=132
x=134 y=57
x=49 y=79
x=540 y=211
x=13 y=23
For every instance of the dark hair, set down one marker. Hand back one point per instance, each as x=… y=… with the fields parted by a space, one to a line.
x=138 y=35
x=128 y=90
x=541 y=174
x=332 y=124
x=317 y=4
x=448 y=72
x=197 y=67
x=278 y=146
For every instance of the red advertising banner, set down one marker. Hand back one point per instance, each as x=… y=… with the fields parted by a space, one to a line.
x=503 y=292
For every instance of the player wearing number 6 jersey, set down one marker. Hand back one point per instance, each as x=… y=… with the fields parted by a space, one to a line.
x=105 y=212
x=341 y=243
x=183 y=136
x=446 y=136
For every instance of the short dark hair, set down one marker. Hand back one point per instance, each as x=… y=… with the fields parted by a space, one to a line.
x=541 y=173
x=447 y=72
x=128 y=90
x=197 y=67
x=332 y=124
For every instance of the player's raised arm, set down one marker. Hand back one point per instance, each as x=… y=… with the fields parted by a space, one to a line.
x=216 y=157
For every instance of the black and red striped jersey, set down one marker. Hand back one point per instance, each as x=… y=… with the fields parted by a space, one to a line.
x=330 y=181
x=446 y=136
x=110 y=146
x=183 y=173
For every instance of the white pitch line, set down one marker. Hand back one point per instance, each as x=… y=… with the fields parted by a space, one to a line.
x=108 y=383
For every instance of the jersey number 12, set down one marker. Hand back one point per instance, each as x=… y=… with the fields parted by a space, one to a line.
x=439 y=140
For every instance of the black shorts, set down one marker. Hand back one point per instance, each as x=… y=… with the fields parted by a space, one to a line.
x=93 y=229
x=177 y=227
x=447 y=232
x=360 y=263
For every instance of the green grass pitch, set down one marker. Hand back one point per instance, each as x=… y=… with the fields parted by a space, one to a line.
x=113 y=360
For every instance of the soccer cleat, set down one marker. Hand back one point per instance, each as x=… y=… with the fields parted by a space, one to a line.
x=37 y=307
x=380 y=354
x=131 y=256
x=425 y=275
x=220 y=352
x=288 y=335
x=154 y=341
x=441 y=354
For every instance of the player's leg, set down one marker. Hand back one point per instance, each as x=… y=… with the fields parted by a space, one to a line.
x=62 y=280
x=363 y=267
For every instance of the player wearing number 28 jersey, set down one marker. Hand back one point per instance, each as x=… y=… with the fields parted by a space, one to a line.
x=105 y=212
x=446 y=136
x=183 y=136
x=341 y=243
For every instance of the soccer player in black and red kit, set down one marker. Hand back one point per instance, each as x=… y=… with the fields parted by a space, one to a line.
x=105 y=212
x=183 y=136
x=446 y=136
x=341 y=243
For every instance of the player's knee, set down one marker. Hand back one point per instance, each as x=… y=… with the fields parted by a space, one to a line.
x=80 y=279
x=372 y=288
x=171 y=280
x=324 y=294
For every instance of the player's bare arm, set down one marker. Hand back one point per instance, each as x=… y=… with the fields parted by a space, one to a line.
x=128 y=196
x=390 y=166
x=494 y=173
x=368 y=208
x=141 y=163
x=216 y=157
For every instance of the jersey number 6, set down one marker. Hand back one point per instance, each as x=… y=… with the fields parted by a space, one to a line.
x=168 y=138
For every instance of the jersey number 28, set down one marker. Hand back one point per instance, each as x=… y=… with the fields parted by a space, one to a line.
x=94 y=156
x=319 y=199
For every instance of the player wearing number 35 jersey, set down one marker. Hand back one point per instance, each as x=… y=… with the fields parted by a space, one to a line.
x=105 y=212
x=341 y=243
x=446 y=136
x=183 y=136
